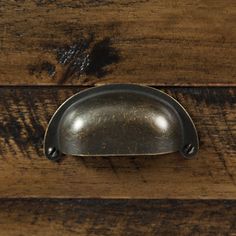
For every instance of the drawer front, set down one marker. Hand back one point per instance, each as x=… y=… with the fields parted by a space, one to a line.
x=26 y=172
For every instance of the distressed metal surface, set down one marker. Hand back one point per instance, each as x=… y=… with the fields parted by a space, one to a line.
x=120 y=120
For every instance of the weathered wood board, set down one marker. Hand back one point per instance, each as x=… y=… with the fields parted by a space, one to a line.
x=116 y=217
x=162 y=42
x=25 y=172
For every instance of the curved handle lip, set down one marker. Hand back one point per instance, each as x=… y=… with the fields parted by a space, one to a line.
x=189 y=145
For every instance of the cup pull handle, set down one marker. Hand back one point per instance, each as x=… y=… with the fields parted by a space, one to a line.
x=120 y=120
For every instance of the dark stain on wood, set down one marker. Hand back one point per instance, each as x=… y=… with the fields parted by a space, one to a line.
x=73 y=4
x=87 y=3
x=218 y=96
x=44 y=2
x=10 y=128
x=34 y=128
x=43 y=67
x=87 y=57
x=102 y=54
x=26 y=130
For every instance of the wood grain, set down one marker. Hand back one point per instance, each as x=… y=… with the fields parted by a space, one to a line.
x=117 y=217
x=25 y=172
x=162 y=42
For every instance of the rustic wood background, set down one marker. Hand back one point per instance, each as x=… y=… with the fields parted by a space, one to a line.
x=52 y=49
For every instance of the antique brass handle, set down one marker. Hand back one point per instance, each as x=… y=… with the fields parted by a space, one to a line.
x=120 y=119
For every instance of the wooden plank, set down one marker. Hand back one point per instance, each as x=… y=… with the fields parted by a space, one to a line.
x=117 y=217
x=160 y=42
x=25 y=172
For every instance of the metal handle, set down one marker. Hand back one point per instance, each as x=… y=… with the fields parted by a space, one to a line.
x=120 y=119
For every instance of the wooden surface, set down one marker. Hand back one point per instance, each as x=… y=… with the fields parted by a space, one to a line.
x=117 y=217
x=161 y=42
x=25 y=172
x=186 y=45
